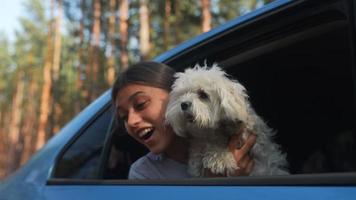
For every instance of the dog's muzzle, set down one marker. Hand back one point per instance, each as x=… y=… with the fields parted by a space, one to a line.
x=185 y=105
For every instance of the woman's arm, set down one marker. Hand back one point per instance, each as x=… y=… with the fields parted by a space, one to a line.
x=241 y=151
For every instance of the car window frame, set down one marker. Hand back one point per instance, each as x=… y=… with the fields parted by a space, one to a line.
x=326 y=179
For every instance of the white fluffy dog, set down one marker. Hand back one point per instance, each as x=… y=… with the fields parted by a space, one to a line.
x=207 y=108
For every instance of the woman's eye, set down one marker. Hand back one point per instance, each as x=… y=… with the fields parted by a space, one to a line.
x=203 y=95
x=141 y=105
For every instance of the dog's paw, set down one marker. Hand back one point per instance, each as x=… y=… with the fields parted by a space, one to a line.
x=220 y=163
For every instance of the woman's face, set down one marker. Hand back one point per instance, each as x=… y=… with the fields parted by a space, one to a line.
x=143 y=109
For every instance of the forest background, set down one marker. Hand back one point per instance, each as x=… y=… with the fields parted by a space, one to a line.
x=67 y=52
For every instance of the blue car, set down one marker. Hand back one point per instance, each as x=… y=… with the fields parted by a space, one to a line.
x=297 y=60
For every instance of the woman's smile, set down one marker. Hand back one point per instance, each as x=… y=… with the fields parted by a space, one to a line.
x=146 y=133
x=143 y=109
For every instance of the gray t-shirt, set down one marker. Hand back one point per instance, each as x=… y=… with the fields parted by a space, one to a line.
x=152 y=166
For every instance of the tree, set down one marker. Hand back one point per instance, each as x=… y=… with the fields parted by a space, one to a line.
x=144 y=30
x=206 y=15
x=29 y=127
x=46 y=97
x=95 y=50
x=56 y=108
x=177 y=19
x=29 y=48
x=5 y=98
x=16 y=143
x=166 y=23
x=111 y=71
x=57 y=42
x=124 y=16
x=80 y=74
x=5 y=66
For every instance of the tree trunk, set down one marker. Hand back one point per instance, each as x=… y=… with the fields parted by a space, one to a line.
x=89 y=73
x=111 y=60
x=81 y=90
x=16 y=146
x=29 y=128
x=206 y=15
x=2 y=133
x=57 y=42
x=5 y=142
x=177 y=35
x=4 y=139
x=167 y=16
x=3 y=145
x=144 y=30
x=56 y=116
x=124 y=16
x=46 y=97
x=95 y=52
x=46 y=101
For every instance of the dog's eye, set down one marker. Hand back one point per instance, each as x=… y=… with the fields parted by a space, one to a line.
x=202 y=94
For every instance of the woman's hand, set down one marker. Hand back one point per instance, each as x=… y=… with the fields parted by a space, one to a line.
x=240 y=148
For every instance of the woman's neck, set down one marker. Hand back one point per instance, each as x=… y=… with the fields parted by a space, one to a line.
x=178 y=150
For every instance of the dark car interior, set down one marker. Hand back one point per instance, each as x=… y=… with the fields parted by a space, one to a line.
x=306 y=95
x=299 y=75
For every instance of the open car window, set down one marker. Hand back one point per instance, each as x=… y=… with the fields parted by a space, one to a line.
x=304 y=90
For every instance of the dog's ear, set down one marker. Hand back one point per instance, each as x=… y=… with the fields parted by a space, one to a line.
x=234 y=101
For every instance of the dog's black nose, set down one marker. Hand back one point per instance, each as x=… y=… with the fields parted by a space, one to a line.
x=185 y=105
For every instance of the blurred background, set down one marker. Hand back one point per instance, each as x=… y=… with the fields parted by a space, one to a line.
x=57 y=56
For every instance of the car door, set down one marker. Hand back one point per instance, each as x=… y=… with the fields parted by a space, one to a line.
x=297 y=61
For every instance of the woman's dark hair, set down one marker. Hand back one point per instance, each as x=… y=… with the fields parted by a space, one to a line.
x=146 y=73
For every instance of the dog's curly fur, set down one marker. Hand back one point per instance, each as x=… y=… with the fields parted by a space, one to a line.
x=207 y=107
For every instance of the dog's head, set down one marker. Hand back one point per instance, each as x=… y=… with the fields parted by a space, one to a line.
x=202 y=98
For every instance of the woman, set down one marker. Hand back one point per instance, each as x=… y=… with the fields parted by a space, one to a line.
x=140 y=95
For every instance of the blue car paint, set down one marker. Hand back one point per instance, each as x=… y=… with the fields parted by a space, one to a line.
x=199 y=192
